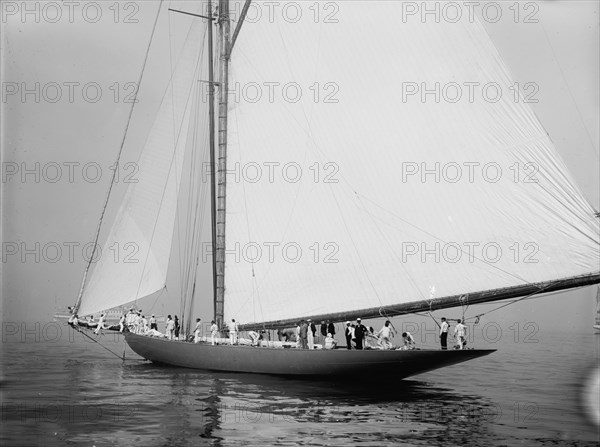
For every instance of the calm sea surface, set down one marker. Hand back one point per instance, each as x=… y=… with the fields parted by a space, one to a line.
x=63 y=390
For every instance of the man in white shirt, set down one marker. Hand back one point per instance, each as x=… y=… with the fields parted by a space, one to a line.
x=170 y=327
x=254 y=336
x=444 y=333
x=100 y=324
x=233 y=330
x=460 y=333
x=310 y=335
x=130 y=319
x=214 y=331
x=198 y=331
x=137 y=323
x=330 y=342
x=385 y=333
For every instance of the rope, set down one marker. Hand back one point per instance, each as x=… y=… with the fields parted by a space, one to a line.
x=100 y=344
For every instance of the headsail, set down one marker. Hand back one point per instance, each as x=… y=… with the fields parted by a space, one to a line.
x=354 y=188
x=146 y=217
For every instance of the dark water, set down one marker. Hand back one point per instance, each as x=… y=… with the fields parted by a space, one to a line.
x=63 y=390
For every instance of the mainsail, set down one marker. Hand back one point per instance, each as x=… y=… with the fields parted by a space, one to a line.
x=146 y=217
x=378 y=161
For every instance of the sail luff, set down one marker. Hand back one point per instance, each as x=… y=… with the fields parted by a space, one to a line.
x=485 y=296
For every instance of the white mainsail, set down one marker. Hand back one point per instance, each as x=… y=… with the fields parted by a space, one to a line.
x=352 y=190
x=146 y=217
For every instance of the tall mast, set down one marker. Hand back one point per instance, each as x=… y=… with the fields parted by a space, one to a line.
x=224 y=29
x=225 y=48
x=211 y=112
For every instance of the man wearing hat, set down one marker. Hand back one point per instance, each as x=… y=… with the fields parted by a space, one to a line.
x=348 y=334
x=444 y=333
x=360 y=331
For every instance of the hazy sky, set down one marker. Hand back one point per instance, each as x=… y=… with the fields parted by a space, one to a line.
x=94 y=59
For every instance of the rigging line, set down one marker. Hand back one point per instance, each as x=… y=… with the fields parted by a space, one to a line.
x=78 y=302
x=201 y=210
x=195 y=224
x=530 y=296
x=164 y=189
x=308 y=132
x=229 y=157
x=197 y=204
x=96 y=341
x=254 y=281
x=591 y=141
x=177 y=213
x=354 y=243
x=390 y=247
x=191 y=197
x=190 y=217
x=434 y=320
x=157 y=297
x=441 y=240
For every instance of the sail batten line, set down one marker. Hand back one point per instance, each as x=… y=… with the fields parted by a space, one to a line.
x=446 y=242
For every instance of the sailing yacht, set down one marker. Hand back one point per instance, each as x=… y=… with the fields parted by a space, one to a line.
x=360 y=163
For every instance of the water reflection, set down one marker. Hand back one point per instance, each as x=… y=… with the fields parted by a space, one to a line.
x=254 y=410
x=76 y=393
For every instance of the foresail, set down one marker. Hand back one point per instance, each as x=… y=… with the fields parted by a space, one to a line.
x=143 y=227
x=376 y=161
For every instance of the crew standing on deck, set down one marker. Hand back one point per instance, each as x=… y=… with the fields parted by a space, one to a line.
x=360 y=332
x=233 y=330
x=348 y=333
x=323 y=329
x=304 y=334
x=310 y=335
x=460 y=332
x=170 y=327
x=197 y=331
x=176 y=327
x=444 y=333
x=214 y=330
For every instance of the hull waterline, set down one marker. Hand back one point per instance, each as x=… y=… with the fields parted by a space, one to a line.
x=296 y=362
